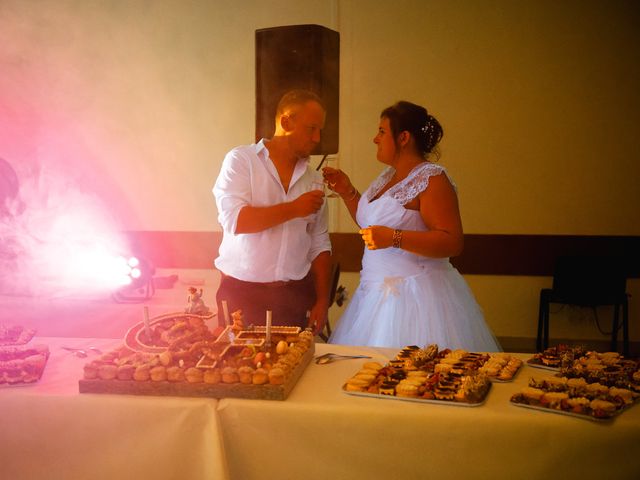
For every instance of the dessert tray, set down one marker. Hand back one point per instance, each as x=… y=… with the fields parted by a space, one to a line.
x=168 y=331
x=554 y=357
x=15 y=334
x=575 y=397
x=21 y=364
x=182 y=357
x=418 y=375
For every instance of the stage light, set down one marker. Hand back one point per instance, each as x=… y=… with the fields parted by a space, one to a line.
x=136 y=280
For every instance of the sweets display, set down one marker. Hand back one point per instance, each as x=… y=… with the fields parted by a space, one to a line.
x=608 y=368
x=554 y=357
x=15 y=334
x=500 y=367
x=177 y=332
x=420 y=375
x=21 y=364
x=575 y=396
x=182 y=357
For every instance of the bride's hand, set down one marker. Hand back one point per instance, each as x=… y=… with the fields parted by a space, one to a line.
x=337 y=180
x=376 y=237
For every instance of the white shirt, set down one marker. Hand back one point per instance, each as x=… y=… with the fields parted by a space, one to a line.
x=284 y=252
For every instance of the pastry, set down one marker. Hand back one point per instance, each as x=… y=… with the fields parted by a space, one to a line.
x=125 y=372
x=356 y=385
x=107 y=372
x=372 y=366
x=260 y=376
x=142 y=373
x=532 y=394
x=158 y=373
x=406 y=389
x=212 y=376
x=245 y=375
x=625 y=395
x=175 y=374
x=193 y=375
x=230 y=375
x=553 y=399
x=602 y=407
x=276 y=376
x=90 y=371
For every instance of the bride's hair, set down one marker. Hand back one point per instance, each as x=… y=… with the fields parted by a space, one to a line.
x=425 y=129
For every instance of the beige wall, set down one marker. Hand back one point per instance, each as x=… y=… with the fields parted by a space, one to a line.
x=136 y=102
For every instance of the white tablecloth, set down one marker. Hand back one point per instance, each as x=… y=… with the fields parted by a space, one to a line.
x=321 y=432
x=50 y=431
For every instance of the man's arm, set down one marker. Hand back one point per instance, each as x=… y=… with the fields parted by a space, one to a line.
x=256 y=219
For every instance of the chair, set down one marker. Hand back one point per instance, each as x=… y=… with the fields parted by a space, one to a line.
x=335 y=279
x=588 y=282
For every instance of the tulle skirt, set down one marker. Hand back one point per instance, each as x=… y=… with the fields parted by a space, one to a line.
x=434 y=305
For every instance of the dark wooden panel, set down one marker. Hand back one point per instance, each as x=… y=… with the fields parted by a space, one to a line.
x=486 y=254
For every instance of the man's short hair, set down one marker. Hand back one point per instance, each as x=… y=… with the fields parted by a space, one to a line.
x=296 y=98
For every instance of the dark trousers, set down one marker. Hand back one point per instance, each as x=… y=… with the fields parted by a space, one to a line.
x=288 y=301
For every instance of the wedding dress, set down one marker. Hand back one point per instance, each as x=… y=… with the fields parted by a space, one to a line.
x=403 y=298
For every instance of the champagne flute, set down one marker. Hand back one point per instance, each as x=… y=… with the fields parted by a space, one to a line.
x=333 y=163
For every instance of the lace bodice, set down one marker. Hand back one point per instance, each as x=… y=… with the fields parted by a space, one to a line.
x=417 y=181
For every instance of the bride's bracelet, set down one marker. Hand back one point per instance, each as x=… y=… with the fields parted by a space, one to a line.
x=397 y=238
x=354 y=194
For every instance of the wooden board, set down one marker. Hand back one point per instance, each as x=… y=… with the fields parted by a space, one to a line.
x=184 y=389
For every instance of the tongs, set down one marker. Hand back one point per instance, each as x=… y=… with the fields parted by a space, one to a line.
x=333 y=357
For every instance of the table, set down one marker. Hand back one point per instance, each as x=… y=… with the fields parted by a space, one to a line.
x=324 y=433
x=50 y=431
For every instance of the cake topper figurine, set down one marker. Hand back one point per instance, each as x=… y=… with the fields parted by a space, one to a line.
x=195 y=304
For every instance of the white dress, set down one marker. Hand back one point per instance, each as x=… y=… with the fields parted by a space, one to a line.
x=406 y=299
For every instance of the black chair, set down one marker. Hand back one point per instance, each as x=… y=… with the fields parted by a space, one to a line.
x=588 y=282
x=335 y=279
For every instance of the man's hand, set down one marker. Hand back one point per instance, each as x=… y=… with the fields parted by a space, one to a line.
x=318 y=317
x=308 y=203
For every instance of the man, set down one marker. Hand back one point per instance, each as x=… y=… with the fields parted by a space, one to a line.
x=275 y=252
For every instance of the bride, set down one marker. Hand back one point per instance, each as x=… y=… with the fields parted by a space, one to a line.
x=409 y=293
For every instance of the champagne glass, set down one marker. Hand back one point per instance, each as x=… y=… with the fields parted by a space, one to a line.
x=331 y=161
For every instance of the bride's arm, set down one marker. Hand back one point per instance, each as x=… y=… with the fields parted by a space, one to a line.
x=440 y=213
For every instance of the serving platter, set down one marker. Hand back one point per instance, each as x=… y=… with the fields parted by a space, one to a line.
x=22 y=365
x=15 y=335
x=136 y=338
x=186 y=389
x=419 y=400
x=567 y=413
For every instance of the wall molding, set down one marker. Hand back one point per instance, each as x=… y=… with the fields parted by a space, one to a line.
x=484 y=254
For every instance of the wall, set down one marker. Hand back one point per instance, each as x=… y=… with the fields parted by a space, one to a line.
x=134 y=103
